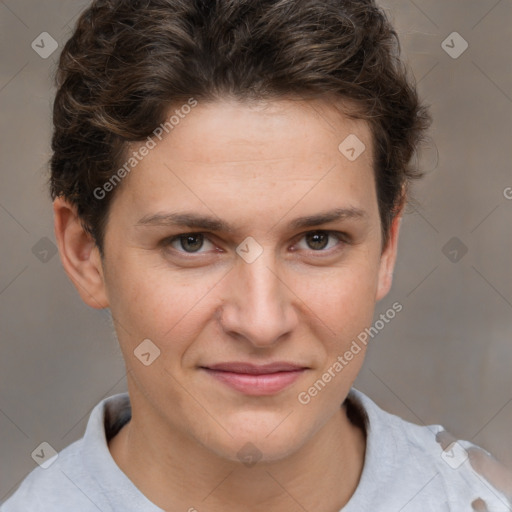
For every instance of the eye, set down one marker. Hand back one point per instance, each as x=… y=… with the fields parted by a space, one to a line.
x=187 y=242
x=318 y=241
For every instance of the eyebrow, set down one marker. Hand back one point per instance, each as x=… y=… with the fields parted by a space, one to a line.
x=193 y=220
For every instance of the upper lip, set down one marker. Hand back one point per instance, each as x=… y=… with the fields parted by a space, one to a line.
x=249 y=368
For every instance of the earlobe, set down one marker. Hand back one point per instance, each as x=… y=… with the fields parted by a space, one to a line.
x=388 y=259
x=79 y=254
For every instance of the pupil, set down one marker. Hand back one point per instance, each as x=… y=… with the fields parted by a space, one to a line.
x=313 y=240
x=189 y=239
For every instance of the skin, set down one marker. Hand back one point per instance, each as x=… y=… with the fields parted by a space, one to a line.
x=257 y=167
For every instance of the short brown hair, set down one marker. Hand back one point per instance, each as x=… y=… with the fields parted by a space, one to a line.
x=128 y=61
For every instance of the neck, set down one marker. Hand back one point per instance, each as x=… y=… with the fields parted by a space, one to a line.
x=175 y=472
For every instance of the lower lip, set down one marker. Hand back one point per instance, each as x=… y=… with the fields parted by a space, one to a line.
x=263 y=384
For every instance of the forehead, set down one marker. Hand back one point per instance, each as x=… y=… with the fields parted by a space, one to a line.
x=230 y=131
x=243 y=155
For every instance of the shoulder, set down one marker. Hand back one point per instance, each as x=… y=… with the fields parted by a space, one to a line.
x=52 y=487
x=74 y=478
x=431 y=462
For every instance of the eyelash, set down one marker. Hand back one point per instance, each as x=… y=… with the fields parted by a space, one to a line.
x=342 y=239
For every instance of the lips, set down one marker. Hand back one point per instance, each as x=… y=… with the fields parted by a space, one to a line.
x=252 y=369
x=256 y=380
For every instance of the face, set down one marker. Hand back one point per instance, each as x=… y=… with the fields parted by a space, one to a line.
x=285 y=266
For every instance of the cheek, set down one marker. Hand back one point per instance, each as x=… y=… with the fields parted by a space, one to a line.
x=156 y=303
x=343 y=299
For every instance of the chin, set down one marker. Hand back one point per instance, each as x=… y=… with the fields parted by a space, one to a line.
x=252 y=445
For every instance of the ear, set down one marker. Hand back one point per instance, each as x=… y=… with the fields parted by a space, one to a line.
x=388 y=258
x=79 y=254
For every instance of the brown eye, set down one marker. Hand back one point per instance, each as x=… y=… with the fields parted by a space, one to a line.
x=322 y=241
x=317 y=240
x=191 y=243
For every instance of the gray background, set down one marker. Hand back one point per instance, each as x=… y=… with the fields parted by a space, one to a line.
x=444 y=359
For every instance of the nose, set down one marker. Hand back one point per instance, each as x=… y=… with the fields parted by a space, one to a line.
x=259 y=304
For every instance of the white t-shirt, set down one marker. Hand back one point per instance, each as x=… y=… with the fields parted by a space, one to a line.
x=405 y=469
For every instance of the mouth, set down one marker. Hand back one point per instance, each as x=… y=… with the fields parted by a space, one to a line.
x=256 y=380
